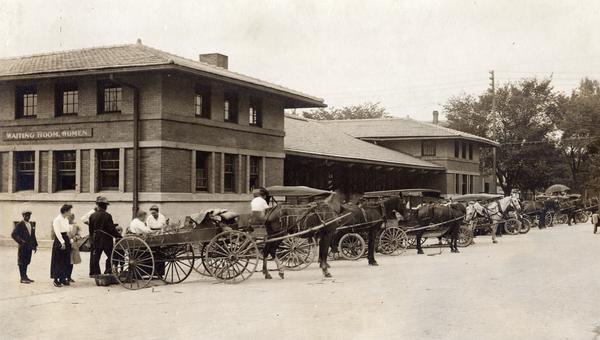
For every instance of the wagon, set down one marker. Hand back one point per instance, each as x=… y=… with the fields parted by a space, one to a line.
x=482 y=225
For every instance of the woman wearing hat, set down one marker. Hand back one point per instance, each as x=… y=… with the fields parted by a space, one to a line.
x=60 y=261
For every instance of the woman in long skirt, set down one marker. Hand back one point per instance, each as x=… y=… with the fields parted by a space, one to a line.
x=61 y=248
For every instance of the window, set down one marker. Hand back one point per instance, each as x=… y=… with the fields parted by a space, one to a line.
x=202 y=102
x=456 y=149
x=470 y=150
x=428 y=148
x=110 y=98
x=202 y=171
x=471 y=177
x=65 y=170
x=254 y=172
x=229 y=173
x=457 y=183
x=464 y=150
x=26 y=102
x=486 y=188
x=67 y=99
x=25 y=170
x=464 y=184
x=230 y=108
x=255 y=112
x=108 y=169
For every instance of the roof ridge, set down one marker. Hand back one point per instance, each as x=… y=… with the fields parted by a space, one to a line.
x=363 y=119
x=67 y=51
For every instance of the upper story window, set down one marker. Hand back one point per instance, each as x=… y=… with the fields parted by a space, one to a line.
x=202 y=171
x=108 y=169
x=25 y=170
x=65 y=170
x=464 y=150
x=26 y=102
x=428 y=148
x=230 y=108
x=202 y=102
x=110 y=98
x=67 y=99
x=470 y=150
x=255 y=112
x=229 y=173
x=456 y=149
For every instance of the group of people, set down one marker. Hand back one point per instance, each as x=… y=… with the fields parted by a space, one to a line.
x=67 y=239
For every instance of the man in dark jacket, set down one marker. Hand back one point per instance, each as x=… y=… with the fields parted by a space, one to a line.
x=102 y=232
x=24 y=235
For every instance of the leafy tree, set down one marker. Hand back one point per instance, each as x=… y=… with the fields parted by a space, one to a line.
x=361 y=111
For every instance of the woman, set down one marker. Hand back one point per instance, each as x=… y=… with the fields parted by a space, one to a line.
x=61 y=248
x=75 y=238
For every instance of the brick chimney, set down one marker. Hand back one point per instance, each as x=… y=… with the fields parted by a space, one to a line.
x=215 y=59
x=436 y=117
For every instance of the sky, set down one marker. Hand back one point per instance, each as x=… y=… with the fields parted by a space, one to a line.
x=411 y=56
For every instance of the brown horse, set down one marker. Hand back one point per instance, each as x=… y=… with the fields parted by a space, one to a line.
x=283 y=220
x=434 y=213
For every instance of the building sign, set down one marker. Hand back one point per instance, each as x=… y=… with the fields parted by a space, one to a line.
x=48 y=134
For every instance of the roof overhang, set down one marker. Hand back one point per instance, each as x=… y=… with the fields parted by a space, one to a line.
x=478 y=140
x=293 y=100
x=360 y=161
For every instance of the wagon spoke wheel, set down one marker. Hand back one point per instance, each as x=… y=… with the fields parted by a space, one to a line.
x=560 y=218
x=231 y=256
x=525 y=225
x=581 y=217
x=132 y=262
x=296 y=253
x=511 y=226
x=351 y=246
x=178 y=262
x=200 y=266
x=393 y=241
x=465 y=236
x=548 y=219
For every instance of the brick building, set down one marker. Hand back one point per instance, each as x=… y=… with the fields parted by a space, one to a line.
x=68 y=123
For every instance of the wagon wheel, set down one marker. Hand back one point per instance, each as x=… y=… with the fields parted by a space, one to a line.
x=548 y=219
x=581 y=217
x=511 y=226
x=351 y=246
x=560 y=218
x=132 y=262
x=525 y=225
x=296 y=253
x=177 y=263
x=465 y=236
x=200 y=266
x=231 y=256
x=393 y=241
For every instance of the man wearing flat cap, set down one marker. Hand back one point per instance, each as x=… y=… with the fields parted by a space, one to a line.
x=24 y=235
x=156 y=220
x=102 y=231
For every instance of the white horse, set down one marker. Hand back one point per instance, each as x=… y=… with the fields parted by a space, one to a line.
x=495 y=212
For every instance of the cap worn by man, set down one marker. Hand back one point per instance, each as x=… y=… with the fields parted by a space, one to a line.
x=154 y=207
x=26 y=212
x=102 y=199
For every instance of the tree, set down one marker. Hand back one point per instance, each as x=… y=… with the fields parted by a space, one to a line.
x=361 y=111
x=523 y=120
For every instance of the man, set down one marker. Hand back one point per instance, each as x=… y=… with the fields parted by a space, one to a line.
x=24 y=235
x=86 y=218
x=259 y=204
x=102 y=231
x=156 y=220
x=138 y=224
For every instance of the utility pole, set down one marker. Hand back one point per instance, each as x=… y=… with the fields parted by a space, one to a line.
x=493 y=85
x=493 y=114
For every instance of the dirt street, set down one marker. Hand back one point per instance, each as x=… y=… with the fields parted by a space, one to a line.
x=543 y=285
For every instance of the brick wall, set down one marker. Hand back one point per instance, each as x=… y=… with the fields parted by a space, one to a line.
x=85 y=171
x=7 y=101
x=176 y=170
x=273 y=116
x=274 y=171
x=178 y=96
x=150 y=169
x=128 y=170
x=4 y=164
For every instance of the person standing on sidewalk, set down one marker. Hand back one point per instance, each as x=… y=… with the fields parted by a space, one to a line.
x=102 y=232
x=24 y=235
x=61 y=248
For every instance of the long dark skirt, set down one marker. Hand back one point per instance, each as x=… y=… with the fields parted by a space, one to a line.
x=61 y=259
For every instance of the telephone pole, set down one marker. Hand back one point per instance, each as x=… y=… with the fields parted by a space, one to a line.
x=493 y=85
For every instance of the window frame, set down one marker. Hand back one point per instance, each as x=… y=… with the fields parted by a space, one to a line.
x=428 y=145
x=60 y=173
x=103 y=86
x=20 y=105
x=21 y=173
x=471 y=186
x=102 y=171
x=229 y=176
x=254 y=176
x=457 y=183
x=463 y=146
x=204 y=93
x=255 y=112
x=230 y=107
x=204 y=157
x=470 y=151
x=465 y=184
x=456 y=148
x=59 y=99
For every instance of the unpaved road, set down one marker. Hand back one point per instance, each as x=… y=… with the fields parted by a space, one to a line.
x=543 y=285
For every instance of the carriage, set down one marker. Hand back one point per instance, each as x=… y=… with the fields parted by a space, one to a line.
x=215 y=243
x=512 y=226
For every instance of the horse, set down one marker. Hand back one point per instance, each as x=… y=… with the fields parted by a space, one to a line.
x=433 y=213
x=495 y=211
x=283 y=220
x=372 y=216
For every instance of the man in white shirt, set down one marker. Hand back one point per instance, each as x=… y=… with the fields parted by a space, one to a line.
x=156 y=220
x=259 y=204
x=138 y=224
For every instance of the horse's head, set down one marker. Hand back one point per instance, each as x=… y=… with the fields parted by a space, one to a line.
x=514 y=201
x=471 y=210
x=393 y=205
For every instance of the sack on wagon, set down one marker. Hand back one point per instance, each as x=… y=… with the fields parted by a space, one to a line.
x=210 y=217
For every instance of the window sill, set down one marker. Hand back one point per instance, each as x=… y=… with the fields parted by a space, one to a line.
x=26 y=117
x=108 y=112
x=66 y=114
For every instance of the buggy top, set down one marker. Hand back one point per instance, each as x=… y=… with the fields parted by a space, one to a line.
x=296 y=191
x=404 y=192
x=476 y=197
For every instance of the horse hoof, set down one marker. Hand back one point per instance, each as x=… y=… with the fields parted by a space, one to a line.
x=281 y=276
x=494 y=241
x=420 y=252
x=327 y=275
x=268 y=276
